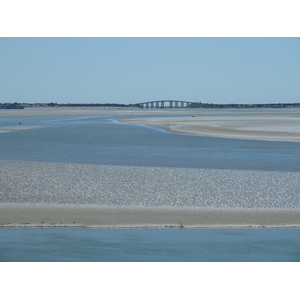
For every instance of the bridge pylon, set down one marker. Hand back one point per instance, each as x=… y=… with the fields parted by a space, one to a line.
x=163 y=104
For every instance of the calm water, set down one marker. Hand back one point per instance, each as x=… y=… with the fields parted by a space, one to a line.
x=150 y=245
x=102 y=140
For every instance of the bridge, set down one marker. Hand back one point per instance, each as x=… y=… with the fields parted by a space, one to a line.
x=163 y=104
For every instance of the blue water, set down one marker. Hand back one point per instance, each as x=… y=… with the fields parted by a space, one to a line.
x=139 y=245
x=102 y=140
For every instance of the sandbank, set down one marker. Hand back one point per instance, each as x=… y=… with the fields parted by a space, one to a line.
x=8 y=129
x=269 y=128
x=96 y=216
x=54 y=194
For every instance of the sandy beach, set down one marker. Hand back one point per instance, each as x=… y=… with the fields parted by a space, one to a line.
x=96 y=216
x=51 y=194
x=269 y=128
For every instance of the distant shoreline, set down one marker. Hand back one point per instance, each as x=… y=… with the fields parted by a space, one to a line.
x=152 y=103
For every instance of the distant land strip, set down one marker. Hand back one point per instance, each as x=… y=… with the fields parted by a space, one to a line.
x=17 y=105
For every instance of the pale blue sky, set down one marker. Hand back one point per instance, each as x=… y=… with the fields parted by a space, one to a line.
x=130 y=70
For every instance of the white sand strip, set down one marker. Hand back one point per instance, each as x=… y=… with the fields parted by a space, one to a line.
x=270 y=128
x=45 y=215
x=8 y=129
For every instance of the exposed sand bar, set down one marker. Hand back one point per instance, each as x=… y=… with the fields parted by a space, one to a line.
x=47 y=215
x=110 y=196
x=8 y=129
x=270 y=128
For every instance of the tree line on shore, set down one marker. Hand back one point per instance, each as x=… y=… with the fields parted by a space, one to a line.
x=265 y=105
x=16 y=105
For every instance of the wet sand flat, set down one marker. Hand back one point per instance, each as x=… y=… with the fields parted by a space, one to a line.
x=96 y=216
x=269 y=128
x=110 y=196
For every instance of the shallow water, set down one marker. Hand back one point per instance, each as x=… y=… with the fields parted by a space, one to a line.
x=213 y=245
x=101 y=140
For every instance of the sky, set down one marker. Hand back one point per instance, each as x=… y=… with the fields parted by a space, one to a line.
x=132 y=70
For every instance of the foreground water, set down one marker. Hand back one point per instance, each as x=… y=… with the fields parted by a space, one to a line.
x=99 y=140
x=218 y=245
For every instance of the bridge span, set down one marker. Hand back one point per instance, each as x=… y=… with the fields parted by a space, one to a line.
x=163 y=104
